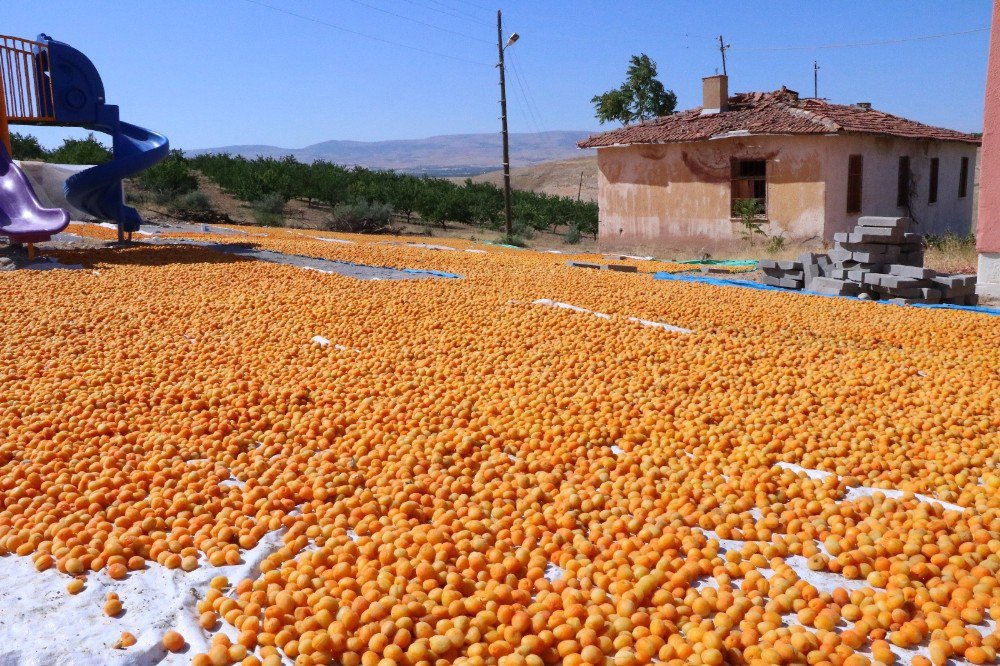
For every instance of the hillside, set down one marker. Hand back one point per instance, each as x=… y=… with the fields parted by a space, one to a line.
x=454 y=154
x=559 y=177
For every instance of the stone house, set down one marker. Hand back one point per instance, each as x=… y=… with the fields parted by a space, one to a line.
x=814 y=166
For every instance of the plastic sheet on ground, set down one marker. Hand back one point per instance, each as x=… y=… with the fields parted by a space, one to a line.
x=750 y=284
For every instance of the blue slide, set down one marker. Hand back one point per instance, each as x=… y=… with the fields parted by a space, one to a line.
x=78 y=100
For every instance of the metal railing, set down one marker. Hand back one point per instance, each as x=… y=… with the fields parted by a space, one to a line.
x=25 y=80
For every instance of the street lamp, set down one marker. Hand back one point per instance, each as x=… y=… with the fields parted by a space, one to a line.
x=501 y=47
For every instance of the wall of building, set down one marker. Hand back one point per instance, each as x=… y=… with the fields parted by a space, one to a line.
x=680 y=193
x=950 y=214
x=988 y=232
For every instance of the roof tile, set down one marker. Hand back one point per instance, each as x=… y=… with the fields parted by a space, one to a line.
x=778 y=112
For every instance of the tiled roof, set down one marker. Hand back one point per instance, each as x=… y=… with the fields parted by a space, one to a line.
x=778 y=112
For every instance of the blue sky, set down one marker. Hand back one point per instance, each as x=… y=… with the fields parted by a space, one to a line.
x=219 y=72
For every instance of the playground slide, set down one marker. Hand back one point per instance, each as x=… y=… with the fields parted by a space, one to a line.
x=22 y=217
x=98 y=190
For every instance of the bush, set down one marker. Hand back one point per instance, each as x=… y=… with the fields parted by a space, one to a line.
x=775 y=243
x=26 y=147
x=361 y=216
x=81 y=151
x=195 y=201
x=512 y=239
x=573 y=235
x=270 y=203
x=522 y=230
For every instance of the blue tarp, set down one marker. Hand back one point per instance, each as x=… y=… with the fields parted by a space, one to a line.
x=749 y=284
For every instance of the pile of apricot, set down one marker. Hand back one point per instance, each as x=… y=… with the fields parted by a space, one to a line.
x=489 y=481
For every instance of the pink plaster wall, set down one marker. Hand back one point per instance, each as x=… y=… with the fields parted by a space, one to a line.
x=988 y=231
x=657 y=194
x=678 y=193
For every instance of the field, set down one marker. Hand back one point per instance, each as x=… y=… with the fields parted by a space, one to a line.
x=528 y=464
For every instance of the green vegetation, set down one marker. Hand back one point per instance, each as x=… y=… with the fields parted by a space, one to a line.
x=437 y=202
x=750 y=213
x=641 y=97
x=573 y=235
x=168 y=180
x=72 y=151
x=26 y=147
x=80 y=151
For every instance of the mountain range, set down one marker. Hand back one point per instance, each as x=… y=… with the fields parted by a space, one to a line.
x=447 y=155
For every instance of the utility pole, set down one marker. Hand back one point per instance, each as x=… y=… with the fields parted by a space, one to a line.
x=508 y=223
x=722 y=49
x=815 y=80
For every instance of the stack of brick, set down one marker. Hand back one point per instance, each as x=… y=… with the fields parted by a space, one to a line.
x=881 y=259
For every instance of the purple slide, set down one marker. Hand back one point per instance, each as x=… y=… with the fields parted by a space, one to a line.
x=22 y=217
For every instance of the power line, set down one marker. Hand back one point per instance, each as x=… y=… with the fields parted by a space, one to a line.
x=419 y=22
x=882 y=42
x=363 y=34
x=457 y=11
x=529 y=115
x=448 y=13
x=529 y=99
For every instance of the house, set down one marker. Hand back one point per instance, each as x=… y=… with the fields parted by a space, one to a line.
x=814 y=167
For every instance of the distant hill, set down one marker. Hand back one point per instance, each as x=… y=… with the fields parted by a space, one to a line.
x=448 y=155
x=559 y=177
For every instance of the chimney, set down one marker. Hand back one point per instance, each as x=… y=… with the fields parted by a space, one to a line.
x=714 y=94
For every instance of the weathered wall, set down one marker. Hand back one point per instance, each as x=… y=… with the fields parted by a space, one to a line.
x=657 y=194
x=950 y=213
x=680 y=192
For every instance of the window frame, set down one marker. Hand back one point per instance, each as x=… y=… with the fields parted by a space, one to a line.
x=903 y=182
x=934 y=172
x=855 y=183
x=738 y=178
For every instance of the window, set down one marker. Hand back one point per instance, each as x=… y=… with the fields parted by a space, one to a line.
x=903 y=183
x=749 y=181
x=932 y=192
x=963 y=178
x=855 y=167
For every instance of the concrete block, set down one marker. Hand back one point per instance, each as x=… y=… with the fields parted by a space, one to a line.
x=838 y=274
x=898 y=292
x=957 y=280
x=620 y=268
x=879 y=221
x=894 y=281
x=788 y=265
x=807 y=258
x=766 y=264
x=917 y=272
x=834 y=287
x=931 y=295
x=856 y=275
x=841 y=237
x=839 y=254
x=875 y=235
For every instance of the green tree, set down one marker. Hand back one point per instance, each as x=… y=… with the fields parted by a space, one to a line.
x=641 y=97
x=26 y=147
x=81 y=151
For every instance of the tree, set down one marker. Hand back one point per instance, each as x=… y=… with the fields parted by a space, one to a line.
x=26 y=147
x=81 y=151
x=641 y=97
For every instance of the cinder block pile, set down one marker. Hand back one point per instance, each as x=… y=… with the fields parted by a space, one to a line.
x=881 y=259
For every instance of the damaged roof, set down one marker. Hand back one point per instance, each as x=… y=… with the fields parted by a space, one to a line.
x=778 y=112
